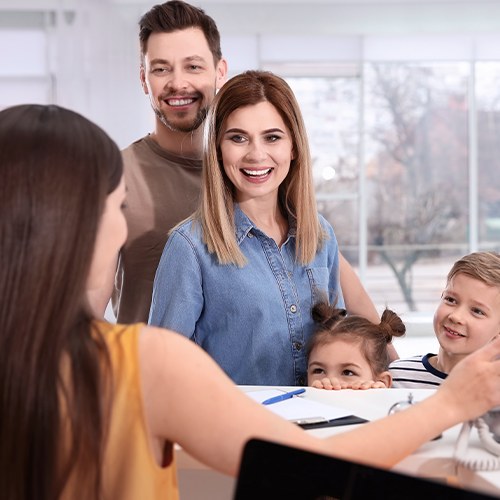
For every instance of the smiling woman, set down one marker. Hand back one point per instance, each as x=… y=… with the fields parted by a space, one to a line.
x=255 y=257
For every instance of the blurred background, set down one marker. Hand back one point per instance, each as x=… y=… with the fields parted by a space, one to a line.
x=401 y=100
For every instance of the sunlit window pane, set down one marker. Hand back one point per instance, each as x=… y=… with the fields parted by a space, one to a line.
x=488 y=112
x=417 y=172
x=330 y=106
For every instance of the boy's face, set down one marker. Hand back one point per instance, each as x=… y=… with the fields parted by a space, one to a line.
x=467 y=317
x=338 y=359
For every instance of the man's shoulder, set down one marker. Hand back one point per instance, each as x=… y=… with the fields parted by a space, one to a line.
x=136 y=148
x=148 y=154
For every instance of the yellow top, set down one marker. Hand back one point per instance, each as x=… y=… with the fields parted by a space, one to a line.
x=130 y=470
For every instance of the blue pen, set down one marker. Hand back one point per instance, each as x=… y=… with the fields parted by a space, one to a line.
x=282 y=397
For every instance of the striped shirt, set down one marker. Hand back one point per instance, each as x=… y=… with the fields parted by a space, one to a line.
x=415 y=373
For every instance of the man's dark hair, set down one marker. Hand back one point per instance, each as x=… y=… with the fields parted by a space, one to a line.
x=177 y=15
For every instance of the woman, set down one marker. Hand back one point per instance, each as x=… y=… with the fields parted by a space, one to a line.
x=241 y=275
x=89 y=409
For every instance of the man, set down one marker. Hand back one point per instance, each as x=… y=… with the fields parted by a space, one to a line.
x=181 y=70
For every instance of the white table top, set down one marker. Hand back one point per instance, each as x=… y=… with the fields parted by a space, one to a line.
x=433 y=460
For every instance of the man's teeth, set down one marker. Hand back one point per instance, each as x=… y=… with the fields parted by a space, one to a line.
x=179 y=102
x=256 y=173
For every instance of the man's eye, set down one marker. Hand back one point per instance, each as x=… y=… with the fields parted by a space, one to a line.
x=159 y=71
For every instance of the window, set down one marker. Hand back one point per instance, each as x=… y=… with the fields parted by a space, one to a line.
x=488 y=151
x=406 y=154
x=330 y=106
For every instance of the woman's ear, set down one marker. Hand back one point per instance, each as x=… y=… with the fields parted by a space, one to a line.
x=386 y=378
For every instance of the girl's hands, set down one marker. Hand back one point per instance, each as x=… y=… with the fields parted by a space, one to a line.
x=335 y=384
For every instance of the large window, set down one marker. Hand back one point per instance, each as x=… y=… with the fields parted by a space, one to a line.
x=407 y=156
x=488 y=152
x=331 y=111
x=416 y=163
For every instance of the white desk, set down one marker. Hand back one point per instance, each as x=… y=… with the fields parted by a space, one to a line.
x=433 y=459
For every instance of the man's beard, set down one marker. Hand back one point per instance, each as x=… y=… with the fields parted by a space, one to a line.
x=183 y=127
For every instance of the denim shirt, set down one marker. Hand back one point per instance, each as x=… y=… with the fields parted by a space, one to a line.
x=254 y=321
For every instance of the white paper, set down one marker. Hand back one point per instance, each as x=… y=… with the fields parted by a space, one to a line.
x=297 y=407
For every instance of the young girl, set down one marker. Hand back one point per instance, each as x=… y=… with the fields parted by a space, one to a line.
x=350 y=351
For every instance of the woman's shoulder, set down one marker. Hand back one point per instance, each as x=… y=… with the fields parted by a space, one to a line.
x=116 y=333
x=187 y=225
x=323 y=222
x=188 y=231
x=121 y=338
x=160 y=347
x=326 y=227
x=108 y=328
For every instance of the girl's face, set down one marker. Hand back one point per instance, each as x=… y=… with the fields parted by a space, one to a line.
x=256 y=148
x=340 y=359
x=111 y=235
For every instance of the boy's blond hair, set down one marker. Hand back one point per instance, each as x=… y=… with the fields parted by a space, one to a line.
x=482 y=266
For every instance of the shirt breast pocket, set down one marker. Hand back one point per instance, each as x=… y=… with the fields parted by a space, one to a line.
x=319 y=279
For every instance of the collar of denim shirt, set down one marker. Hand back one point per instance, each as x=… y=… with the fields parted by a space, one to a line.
x=243 y=225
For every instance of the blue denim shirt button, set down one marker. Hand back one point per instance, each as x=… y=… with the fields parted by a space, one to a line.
x=250 y=235
x=297 y=346
x=293 y=308
x=301 y=381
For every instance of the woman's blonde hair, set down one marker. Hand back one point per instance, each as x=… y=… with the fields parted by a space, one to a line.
x=296 y=193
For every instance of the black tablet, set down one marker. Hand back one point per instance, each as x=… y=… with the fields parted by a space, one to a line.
x=272 y=471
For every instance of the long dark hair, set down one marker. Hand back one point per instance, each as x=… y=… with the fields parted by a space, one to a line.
x=56 y=170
